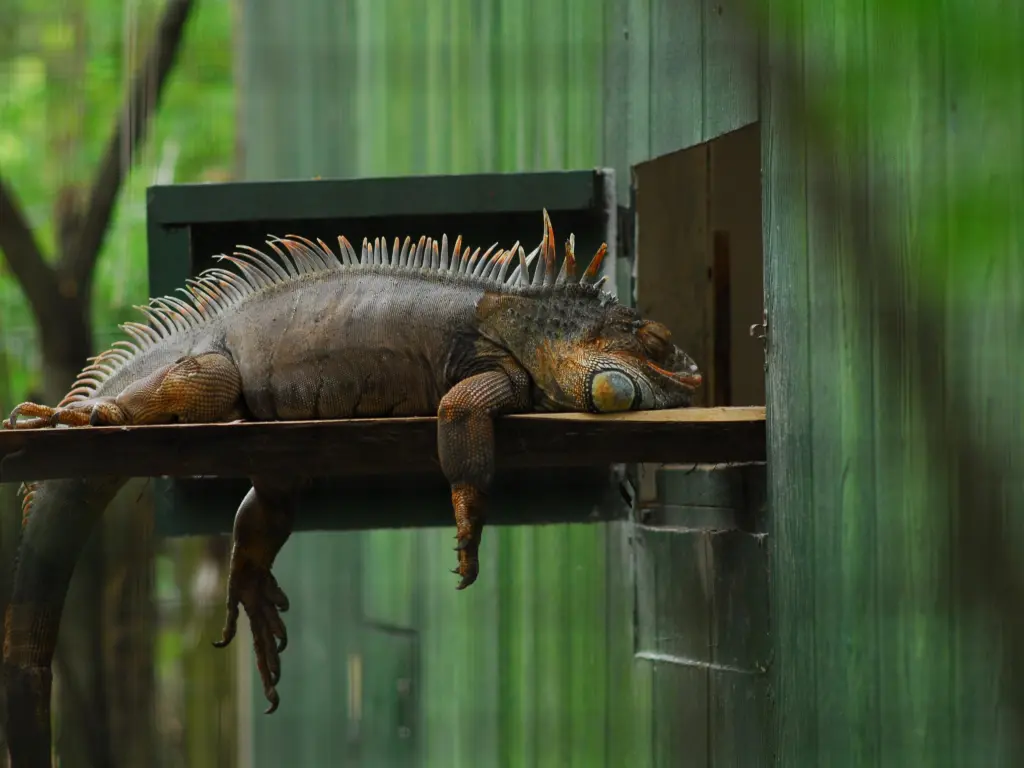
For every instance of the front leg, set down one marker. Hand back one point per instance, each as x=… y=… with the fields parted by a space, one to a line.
x=198 y=388
x=465 y=442
x=263 y=524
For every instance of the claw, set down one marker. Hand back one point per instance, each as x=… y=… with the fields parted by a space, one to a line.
x=230 y=627
x=469 y=577
x=45 y=416
x=274 y=699
x=41 y=413
x=256 y=589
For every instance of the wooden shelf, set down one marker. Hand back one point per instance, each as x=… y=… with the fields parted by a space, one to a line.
x=366 y=447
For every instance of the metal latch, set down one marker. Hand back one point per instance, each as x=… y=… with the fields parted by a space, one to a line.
x=760 y=331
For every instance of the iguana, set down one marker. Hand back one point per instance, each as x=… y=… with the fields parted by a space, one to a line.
x=313 y=334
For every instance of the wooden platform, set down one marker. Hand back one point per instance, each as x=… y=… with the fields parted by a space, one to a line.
x=365 y=447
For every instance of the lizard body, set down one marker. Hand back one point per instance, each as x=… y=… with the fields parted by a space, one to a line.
x=407 y=331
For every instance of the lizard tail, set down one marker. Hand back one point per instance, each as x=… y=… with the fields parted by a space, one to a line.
x=59 y=517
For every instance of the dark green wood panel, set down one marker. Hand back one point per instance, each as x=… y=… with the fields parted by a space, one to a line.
x=788 y=391
x=703 y=616
x=639 y=78
x=846 y=545
x=532 y=665
x=315 y=724
x=729 y=67
x=701 y=59
x=430 y=195
x=677 y=74
x=878 y=660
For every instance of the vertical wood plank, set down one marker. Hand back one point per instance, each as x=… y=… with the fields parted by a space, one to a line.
x=912 y=524
x=629 y=715
x=677 y=74
x=673 y=280
x=788 y=392
x=638 y=98
x=730 y=67
x=616 y=96
x=735 y=215
x=455 y=86
x=518 y=593
x=845 y=543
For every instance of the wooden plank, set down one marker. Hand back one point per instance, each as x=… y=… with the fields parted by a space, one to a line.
x=911 y=699
x=321 y=720
x=788 y=392
x=673 y=263
x=677 y=75
x=702 y=593
x=680 y=727
x=616 y=95
x=536 y=496
x=428 y=195
x=348 y=447
x=730 y=67
x=846 y=545
x=638 y=91
x=734 y=219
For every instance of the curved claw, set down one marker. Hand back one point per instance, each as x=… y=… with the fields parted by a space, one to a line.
x=274 y=700
x=259 y=594
x=41 y=416
x=469 y=564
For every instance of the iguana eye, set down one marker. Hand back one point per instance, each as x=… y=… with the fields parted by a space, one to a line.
x=656 y=339
x=612 y=391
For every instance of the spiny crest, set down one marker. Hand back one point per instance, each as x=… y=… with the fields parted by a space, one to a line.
x=28 y=492
x=216 y=291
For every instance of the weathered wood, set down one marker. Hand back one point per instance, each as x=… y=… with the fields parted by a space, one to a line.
x=791 y=534
x=348 y=447
x=699 y=259
x=535 y=496
x=702 y=615
x=673 y=269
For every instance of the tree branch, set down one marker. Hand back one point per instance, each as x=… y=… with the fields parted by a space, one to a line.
x=24 y=255
x=132 y=121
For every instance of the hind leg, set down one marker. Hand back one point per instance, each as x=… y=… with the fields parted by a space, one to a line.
x=263 y=524
x=193 y=389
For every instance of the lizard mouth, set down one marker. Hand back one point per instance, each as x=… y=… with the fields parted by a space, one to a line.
x=689 y=379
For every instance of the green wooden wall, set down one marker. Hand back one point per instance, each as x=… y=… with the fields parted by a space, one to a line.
x=878 y=661
x=534 y=664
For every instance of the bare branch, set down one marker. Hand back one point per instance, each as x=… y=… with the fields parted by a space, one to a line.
x=132 y=121
x=24 y=255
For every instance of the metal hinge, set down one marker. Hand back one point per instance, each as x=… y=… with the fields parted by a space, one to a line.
x=760 y=331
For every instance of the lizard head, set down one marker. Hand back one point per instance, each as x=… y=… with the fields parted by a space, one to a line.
x=583 y=350
x=625 y=363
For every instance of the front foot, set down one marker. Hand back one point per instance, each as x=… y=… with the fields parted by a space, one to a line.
x=468 y=503
x=41 y=416
x=255 y=587
x=78 y=413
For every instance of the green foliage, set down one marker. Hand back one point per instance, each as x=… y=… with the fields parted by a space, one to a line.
x=64 y=69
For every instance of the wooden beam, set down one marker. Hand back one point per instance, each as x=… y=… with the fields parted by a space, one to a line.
x=361 y=447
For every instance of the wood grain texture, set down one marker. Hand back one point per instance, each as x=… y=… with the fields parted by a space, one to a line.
x=703 y=614
x=677 y=74
x=788 y=391
x=375 y=446
x=896 y=508
x=504 y=677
